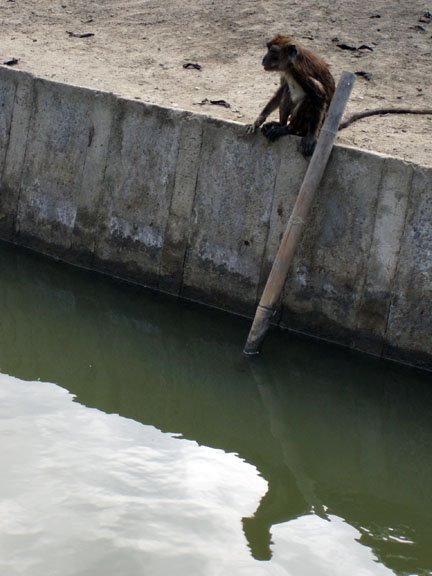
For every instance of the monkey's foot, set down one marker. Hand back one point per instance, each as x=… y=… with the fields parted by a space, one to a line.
x=269 y=126
x=251 y=129
x=274 y=130
x=307 y=145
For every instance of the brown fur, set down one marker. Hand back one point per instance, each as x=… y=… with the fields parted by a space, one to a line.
x=306 y=89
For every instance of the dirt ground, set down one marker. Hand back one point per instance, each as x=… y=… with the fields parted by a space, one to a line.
x=139 y=47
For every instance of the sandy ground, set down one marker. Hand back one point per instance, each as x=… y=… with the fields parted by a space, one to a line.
x=139 y=47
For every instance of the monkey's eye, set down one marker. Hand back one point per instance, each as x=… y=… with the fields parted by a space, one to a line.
x=274 y=49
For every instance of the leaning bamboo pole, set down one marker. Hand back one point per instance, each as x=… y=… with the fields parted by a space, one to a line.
x=276 y=280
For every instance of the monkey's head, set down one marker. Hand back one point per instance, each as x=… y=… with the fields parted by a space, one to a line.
x=281 y=53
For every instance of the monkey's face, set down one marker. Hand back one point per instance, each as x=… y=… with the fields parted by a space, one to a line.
x=279 y=57
x=271 y=60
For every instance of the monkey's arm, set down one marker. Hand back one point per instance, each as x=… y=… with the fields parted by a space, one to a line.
x=267 y=110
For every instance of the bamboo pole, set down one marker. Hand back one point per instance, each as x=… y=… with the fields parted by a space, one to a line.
x=276 y=280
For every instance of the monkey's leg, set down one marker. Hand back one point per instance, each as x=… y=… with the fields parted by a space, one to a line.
x=273 y=131
x=308 y=142
x=285 y=107
x=307 y=123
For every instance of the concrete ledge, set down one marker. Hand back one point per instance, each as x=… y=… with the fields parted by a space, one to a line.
x=193 y=206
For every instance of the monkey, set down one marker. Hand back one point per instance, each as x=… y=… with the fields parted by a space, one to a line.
x=303 y=97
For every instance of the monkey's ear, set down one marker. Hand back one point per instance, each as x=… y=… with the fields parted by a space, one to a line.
x=291 y=52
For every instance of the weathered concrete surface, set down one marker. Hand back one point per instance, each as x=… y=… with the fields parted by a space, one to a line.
x=195 y=207
x=138 y=187
x=324 y=290
x=231 y=215
x=408 y=336
x=16 y=104
x=180 y=212
x=52 y=165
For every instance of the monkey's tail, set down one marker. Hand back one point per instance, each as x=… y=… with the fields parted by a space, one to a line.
x=381 y=112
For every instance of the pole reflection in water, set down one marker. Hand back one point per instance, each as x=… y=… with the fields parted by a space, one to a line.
x=343 y=442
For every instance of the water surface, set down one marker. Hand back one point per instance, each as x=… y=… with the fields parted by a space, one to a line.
x=136 y=439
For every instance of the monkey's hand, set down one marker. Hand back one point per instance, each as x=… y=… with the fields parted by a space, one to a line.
x=307 y=145
x=274 y=130
x=252 y=128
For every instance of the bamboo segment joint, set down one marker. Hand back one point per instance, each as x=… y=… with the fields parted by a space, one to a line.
x=297 y=221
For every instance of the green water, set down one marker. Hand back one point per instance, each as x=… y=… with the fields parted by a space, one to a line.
x=180 y=457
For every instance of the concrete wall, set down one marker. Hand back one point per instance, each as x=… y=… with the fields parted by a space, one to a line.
x=195 y=207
